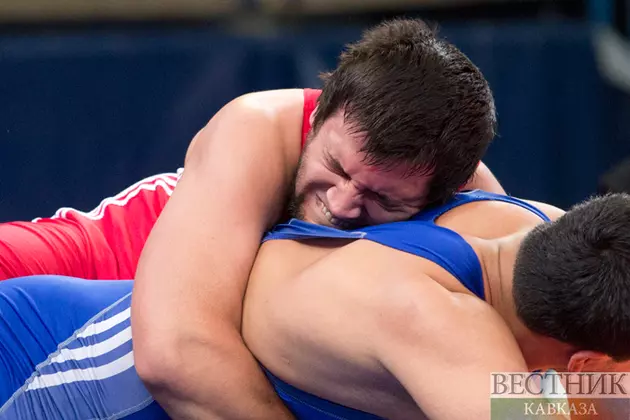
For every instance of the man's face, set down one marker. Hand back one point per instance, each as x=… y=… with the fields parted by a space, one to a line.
x=333 y=187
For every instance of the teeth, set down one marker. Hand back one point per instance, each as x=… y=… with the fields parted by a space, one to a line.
x=333 y=220
x=328 y=214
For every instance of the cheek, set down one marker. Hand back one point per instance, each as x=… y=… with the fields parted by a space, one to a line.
x=313 y=175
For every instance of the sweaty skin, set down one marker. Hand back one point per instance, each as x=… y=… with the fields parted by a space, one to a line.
x=192 y=274
x=383 y=331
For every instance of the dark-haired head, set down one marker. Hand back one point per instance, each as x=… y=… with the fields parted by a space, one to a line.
x=401 y=102
x=572 y=277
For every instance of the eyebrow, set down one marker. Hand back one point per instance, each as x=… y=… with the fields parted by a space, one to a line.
x=335 y=165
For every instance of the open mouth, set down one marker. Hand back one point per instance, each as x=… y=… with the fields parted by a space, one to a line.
x=330 y=218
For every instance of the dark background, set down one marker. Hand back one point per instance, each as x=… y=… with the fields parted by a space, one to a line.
x=94 y=100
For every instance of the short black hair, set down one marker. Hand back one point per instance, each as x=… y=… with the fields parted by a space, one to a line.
x=419 y=100
x=572 y=277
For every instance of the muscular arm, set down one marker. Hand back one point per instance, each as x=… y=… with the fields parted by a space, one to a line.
x=442 y=347
x=485 y=180
x=191 y=279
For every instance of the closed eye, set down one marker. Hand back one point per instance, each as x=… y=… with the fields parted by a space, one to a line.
x=390 y=208
x=386 y=204
x=333 y=165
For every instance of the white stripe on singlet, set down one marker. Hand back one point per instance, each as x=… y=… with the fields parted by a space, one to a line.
x=166 y=181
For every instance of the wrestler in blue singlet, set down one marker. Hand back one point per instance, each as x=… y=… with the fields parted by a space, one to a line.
x=419 y=236
x=66 y=349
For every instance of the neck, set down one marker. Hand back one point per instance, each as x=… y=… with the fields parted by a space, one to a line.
x=540 y=352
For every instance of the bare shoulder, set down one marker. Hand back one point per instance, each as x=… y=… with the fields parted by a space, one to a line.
x=279 y=103
x=551 y=211
x=282 y=108
x=489 y=219
x=439 y=344
x=416 y=309
x=269 y=119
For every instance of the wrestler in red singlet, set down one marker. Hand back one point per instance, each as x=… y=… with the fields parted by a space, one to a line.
x=103 y=244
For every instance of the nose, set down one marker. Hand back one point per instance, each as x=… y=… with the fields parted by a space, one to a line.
x=345 y=200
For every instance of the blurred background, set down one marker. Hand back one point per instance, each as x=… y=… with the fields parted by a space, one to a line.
x=97 y=95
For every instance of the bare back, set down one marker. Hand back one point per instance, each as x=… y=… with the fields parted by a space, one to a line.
x=311 y=307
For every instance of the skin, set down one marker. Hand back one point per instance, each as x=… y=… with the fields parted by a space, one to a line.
x=334 y=187
x=388 y=332
x=193 y=271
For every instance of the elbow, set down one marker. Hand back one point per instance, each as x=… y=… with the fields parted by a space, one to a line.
x=154 y=349
x=159 y=355
x=165 y=373
x=169 y=362
x=159 y=373
x=157 y=363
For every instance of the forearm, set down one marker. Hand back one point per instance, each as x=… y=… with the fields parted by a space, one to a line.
x=238 y=374
x=485 y=180
x=192 y=275
x=189 y=351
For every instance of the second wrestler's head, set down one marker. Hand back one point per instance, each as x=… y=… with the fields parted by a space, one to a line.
x=402 y=122
x=572 y=284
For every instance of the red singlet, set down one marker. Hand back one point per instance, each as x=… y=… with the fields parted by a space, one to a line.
x=103 y=244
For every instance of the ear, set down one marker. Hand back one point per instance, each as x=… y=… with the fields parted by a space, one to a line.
x=588 y=361
x=311 y=118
